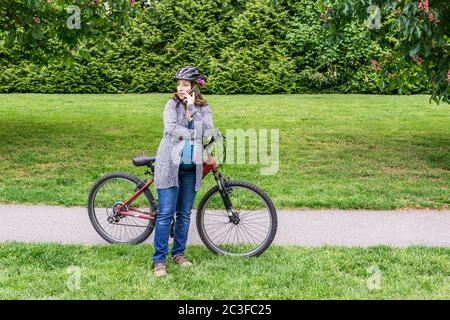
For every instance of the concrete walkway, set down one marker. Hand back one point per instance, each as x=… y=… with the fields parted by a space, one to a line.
x=26 y=223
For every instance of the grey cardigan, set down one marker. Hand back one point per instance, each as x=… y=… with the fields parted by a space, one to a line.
x=174 y=134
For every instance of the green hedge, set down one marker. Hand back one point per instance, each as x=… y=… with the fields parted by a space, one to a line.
x=242 y=46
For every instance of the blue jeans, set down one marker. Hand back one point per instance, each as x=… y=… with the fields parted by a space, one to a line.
x=170 y=200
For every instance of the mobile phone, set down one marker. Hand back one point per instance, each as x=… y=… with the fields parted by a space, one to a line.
x=195 y=90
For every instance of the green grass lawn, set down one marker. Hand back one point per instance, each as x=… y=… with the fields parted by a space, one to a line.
x=43 y=271
x=336 y=151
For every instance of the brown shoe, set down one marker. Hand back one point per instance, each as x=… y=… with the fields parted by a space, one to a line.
x=160 y=269
x=181 y=260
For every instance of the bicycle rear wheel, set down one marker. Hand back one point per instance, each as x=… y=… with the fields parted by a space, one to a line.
x=255 y=229
x=109 y=192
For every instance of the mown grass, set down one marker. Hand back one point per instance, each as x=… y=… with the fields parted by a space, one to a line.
x=336 y=151
x=48 y=271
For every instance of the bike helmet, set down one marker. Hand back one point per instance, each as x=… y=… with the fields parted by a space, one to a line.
x=191 y=74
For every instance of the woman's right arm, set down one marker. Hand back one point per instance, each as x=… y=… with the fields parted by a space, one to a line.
x=171 y=125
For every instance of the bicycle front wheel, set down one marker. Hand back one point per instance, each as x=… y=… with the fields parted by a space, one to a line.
x=251 y=234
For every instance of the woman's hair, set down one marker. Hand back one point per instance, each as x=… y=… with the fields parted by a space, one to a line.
x=199 y=100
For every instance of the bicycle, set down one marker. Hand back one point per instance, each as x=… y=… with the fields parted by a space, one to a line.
x=233 y=217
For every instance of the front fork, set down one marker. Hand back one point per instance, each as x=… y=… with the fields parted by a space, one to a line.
x=224 y=191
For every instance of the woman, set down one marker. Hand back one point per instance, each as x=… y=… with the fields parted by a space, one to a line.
x=179 y=166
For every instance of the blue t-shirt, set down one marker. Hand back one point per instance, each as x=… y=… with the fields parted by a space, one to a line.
x=186 y=163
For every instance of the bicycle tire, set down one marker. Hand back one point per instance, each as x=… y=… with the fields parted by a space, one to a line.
x=95 y=223
x=236 y=183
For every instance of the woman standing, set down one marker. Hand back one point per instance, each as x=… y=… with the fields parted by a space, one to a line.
x=178 y=170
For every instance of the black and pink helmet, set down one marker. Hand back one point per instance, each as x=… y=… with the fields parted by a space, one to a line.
x=191 y=74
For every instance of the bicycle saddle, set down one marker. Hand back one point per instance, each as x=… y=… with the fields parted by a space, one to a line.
x=143 y=160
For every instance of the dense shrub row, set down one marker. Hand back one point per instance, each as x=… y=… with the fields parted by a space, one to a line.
x=242 y=46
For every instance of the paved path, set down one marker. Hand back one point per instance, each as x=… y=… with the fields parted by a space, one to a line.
x=26 y=223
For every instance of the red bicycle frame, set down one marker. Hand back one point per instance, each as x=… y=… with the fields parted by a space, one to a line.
x=208 y=165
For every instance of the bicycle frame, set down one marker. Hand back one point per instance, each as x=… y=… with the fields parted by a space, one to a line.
x=209 y=165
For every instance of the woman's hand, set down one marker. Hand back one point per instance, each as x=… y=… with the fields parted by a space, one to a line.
x=188 y=99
